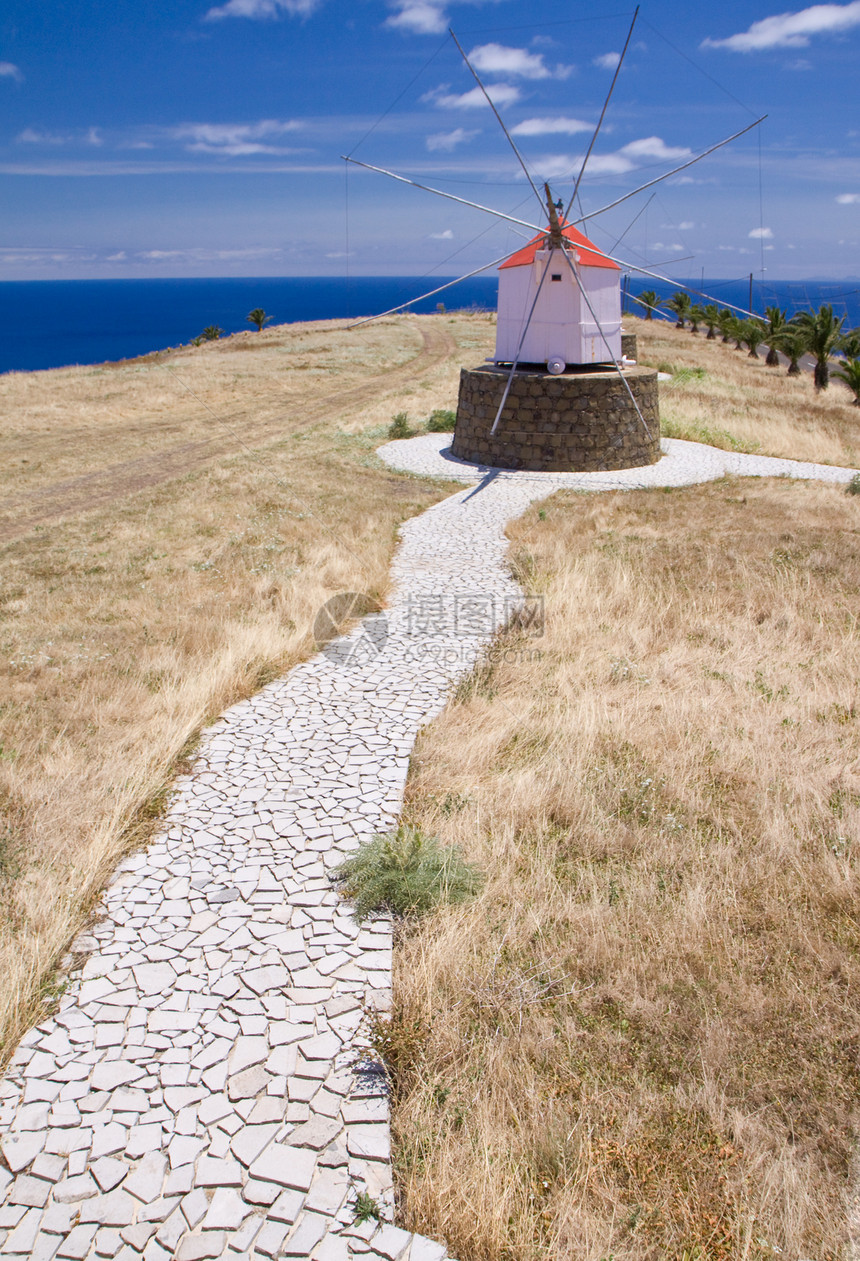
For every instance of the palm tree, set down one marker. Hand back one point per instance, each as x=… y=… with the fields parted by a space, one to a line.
x=752 y=335
x=711 y=319
x=258 y=316
x=775 y=320
x=822 y=331
x=733 y=330
x=725 y=324
x=648 y=298
x=679 y=304
x=697 y=317
x=849 y=344
x=211 y=333
x=850 y=374
x=792 y=343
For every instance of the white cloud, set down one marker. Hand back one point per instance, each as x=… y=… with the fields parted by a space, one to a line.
x=31 y=136
x=262 y=9
x=608 y=164
x=624 y=160
x=447 y=141
x=419 y=17
x=554 y=166
x=497 y=59
x=848 y=199
x=198 y=254
x=761 y=234
x=608 y=61
x=119 y=257
x=677 y=248
x=500 y=93
x=686 y=226
x=234 y=139
x=550 y=127
x=654 y=147
x=9 y=71
x=791 y=30
x=447 y=235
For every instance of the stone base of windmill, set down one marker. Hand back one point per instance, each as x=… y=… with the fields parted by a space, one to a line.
x=629 y=345
x=581 y=422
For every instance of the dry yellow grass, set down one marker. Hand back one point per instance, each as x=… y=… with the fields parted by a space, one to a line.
x=740 y=404
x=178 y=522
x=641 y=1040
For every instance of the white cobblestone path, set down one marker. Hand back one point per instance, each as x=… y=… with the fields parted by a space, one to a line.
x=201 y=1091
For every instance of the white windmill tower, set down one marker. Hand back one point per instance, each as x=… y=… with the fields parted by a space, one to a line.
x=558 y=394
x=543 y=318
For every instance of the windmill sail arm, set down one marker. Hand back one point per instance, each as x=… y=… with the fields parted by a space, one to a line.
x=448 y=285
x=602 y=114
x=520 y=345
x=692 y=162
x=427 y=188
x=593 y=313
x=492 y=106
x=656 y=275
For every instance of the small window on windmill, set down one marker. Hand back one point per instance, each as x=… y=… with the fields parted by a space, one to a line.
x=556 y=275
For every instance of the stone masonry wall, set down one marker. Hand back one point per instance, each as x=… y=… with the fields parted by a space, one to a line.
x=583 y=422
x=629 y=345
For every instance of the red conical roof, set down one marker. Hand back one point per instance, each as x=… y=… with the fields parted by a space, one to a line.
x=586 y=249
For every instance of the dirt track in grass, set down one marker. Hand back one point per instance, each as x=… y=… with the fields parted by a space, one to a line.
x=114 y=482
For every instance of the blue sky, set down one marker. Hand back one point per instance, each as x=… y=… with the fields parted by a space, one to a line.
x=192 y=139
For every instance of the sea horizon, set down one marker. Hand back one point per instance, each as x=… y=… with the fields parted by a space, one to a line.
x=61 y=323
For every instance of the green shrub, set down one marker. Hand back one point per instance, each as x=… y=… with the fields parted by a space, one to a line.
x=853 y=487
x=441 y=420
x=399 y=427
x=365 y=1208
x=405 y=873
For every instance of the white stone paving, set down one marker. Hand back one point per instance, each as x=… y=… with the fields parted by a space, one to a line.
x=203 y=1090
x=683 y=464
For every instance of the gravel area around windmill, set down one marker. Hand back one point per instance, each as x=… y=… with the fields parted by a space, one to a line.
x=203 y=1089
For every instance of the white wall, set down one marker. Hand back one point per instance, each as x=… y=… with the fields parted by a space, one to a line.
x=562 y=325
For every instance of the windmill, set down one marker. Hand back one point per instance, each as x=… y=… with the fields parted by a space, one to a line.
x=558 y=393
x=542 y=316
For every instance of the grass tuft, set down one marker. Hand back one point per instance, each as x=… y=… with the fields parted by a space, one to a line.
x=405 y=873
x=442 y=420
x=400 y=427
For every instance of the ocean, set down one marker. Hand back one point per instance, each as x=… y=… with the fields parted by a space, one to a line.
x=53 y=323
